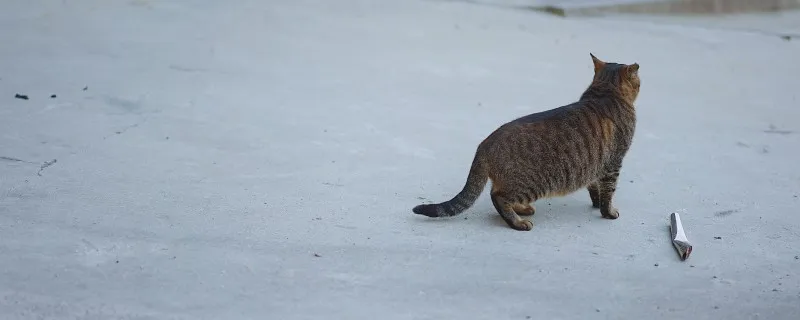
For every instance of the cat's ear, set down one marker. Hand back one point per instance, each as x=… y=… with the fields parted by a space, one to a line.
x=598 y=64
x=633 y=69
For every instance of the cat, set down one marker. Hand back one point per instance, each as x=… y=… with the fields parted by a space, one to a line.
x=555 y=152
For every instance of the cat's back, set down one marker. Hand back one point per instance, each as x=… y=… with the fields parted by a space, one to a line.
x=552 y=115
x=531 y=133
x=548 y=120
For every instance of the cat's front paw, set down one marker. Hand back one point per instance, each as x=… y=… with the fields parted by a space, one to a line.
x=610 y=213
x=522 y=225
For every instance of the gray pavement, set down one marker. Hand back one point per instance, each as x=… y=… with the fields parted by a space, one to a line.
x=259 y=160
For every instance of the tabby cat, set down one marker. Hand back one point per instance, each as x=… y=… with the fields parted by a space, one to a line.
x=555 y=152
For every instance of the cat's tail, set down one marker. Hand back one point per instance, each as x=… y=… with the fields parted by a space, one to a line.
x=476 y=181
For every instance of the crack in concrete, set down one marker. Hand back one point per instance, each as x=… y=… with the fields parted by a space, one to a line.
x=45 y=165
x=125 y=129
x=16 y=160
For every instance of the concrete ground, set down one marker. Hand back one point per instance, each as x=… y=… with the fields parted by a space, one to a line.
x=259 y=160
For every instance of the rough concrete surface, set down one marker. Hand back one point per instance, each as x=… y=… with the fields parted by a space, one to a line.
x=259 y=160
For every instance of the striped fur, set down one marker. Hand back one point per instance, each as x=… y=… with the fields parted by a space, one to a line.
x=476 y=180
x=555 y=152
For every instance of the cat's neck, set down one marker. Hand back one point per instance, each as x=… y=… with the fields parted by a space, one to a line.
x=603 y=91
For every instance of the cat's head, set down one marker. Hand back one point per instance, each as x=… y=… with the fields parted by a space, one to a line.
x=624 y=77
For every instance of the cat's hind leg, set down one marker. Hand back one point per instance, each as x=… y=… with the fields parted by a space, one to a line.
x=505 y=207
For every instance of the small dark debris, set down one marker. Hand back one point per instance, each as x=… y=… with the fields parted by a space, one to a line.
x=333 y=184
x=527 y=317
x=786 y=37
x=596 y=310
x=691 y=266
x=117 y=261
x=656 y=265
x=631 y=181
x=118 y=132
x=797 y=257
x=465 y=218
x=21 y=96
x=549 y=9
x=718 y=238
x=52 y=96
x=714 y=277
x=774 y=130
x=317 y=255
x=775 y=290
x=166 y=138
x=726 y=212
x=595 y=253
x=85 y=88
x=716 y=307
